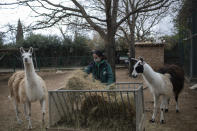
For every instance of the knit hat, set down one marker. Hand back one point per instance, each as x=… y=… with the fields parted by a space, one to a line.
x=98 y=53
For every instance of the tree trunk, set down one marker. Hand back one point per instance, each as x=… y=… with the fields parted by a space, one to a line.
x=132 y=54
x=110 y=52
x=132 y=43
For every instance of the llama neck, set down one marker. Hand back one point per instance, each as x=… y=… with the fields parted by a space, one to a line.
x=149 y=74
x=30 y=72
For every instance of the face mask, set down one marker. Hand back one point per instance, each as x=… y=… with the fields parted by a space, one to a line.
x=97 y=60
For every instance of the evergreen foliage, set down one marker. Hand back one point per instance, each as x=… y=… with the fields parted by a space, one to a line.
x=19 y=34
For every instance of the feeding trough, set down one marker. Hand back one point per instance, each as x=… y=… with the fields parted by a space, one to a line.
x=120 y=108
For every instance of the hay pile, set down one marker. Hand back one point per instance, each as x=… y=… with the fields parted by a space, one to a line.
x=79 y=80
x=109 y=111
x=109 y=115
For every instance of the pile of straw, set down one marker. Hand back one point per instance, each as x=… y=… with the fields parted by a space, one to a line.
x=115 y=114
x=106 y=110
x=80 y=80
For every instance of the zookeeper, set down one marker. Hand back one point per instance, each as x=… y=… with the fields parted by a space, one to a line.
x=100 y=68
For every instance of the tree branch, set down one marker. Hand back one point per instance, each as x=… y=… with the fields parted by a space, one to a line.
x=85 y=15
x=144 y=8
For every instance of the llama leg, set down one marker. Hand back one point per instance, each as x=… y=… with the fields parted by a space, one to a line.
x=162 y=112
x=16 y=110
x=42 y=102
x=29 y=115
x=25 y=110
x=177 y=107
x=162 y=107
x=156 y=100
x=167 y=104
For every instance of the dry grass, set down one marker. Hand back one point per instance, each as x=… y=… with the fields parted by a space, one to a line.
x=111 y=115
x=79 y=80
x=105 y=110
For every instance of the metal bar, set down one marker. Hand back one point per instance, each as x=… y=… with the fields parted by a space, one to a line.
x=123 y=103
x=70 y=116
x=97 y=99
x=71 y=103
x=105 y=106
x=85 y=94
x=137 y=110
x=109 y=97
x=91 y=97
x=129 y=104
x=110 y=104
x=140 y=105
x=61 y=104
x=134 y=94
x=116 y=90
x=76 y=101
x=80 y=99
x=141 y=124
x=129 y=83
x=77 y=109
x=55 y=104
x=142 y=97
x=50 y=111
x=116 y=100
x=100 y=103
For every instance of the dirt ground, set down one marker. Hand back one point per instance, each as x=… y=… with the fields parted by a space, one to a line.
x=186 y=120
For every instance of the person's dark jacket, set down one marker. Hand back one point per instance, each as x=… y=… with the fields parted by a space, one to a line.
x=101 y=71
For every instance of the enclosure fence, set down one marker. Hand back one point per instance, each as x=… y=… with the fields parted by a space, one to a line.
x=14 y=63
x=119 y=109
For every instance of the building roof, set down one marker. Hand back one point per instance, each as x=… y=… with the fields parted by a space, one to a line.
x=148 y=44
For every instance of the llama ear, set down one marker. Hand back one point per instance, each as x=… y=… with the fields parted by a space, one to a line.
x=30 y=50
x=22 y=50
x=133 y=59
x=142 y=60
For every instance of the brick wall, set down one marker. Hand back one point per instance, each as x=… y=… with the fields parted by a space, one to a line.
x=153 y=54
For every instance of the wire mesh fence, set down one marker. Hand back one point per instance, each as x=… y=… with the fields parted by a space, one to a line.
x=64 y=61
x=14 y=63
x=119 y=109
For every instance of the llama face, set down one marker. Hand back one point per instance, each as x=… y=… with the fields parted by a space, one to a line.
x=26 y=56
x=138 y=68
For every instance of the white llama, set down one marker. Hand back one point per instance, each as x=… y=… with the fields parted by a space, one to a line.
x=161 y=84
x=26 y=87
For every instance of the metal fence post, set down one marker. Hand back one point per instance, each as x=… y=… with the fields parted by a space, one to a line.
x=49 y=107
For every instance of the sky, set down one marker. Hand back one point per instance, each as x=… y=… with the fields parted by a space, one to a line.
x=11 y=16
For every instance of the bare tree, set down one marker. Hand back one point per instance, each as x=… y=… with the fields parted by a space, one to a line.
x=103 y=16
x=146 y=21
x=1 y=39
x=138 y=25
